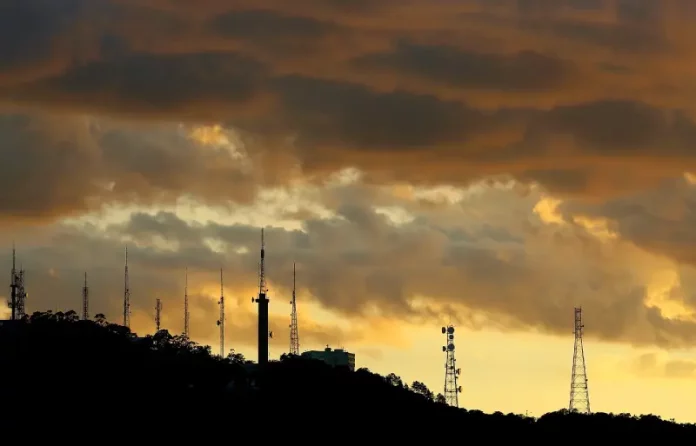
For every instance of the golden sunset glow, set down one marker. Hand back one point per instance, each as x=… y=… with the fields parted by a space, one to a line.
x=487 y=164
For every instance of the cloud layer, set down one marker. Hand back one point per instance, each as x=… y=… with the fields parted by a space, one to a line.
x=491 y=260
x=556 y=92
x=586 y=104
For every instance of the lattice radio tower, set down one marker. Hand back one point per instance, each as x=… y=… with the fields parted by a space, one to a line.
x=452 y=390
x=85 y=300
x=294 y=333
x=221 y=320
x=126 y=295
x=186 y=307
x=579 y=391
x=158 y=314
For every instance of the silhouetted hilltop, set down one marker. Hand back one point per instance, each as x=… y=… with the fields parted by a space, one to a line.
x=57 y=368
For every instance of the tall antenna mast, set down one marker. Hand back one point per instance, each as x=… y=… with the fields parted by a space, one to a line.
x=262 y=300
x=14 y=285
x=452 y=390
x=158 y=314
x=85 y=300
x=294 y=333
x=579 y=391
x=126 y=296
x=221 y=321
x=186 y=307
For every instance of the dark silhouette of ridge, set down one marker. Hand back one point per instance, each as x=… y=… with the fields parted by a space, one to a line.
x=97 y=377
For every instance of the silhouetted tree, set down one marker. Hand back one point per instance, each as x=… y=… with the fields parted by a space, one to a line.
x=421 y=389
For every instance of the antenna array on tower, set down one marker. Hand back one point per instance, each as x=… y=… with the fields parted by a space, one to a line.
x=579 y=391
x=452 y=390
x=186 y=307
x=85 y=300
x=221 y=320
x=294 y=333
x=18 y=293
x=126 y=296
x=158 y=314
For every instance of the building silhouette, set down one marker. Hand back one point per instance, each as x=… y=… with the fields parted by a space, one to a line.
x=335 y=358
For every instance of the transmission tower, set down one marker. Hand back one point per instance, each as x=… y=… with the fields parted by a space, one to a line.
x=221 y=321
x=294 y=333
x=126 y=296
x=262 y=300
x=85 y=300
x=186 y=307
x=579 y=392
x=452 y=390
x=158 y=314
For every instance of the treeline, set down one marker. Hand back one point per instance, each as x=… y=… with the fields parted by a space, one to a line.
x=55 y=368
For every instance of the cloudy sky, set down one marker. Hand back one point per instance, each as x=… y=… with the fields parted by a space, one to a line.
x=490 y=163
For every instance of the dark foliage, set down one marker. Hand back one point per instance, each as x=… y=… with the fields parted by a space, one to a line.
x=93 y=376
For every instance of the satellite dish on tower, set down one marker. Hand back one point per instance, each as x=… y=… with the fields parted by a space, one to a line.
x=450 y=330
x=444 y=330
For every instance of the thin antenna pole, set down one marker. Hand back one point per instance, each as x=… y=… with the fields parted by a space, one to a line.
x=221 y=320
x=294 y=332
x=85 y=300
x=158 y=314
x=262 y=267
x=186 y=307
x=126 y=296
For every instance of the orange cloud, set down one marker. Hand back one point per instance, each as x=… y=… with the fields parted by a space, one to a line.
x=561 y=95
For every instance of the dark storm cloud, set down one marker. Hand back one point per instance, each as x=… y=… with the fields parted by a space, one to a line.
x=662 y=220
x=339 y=113
x=527 y=70
x=153 y=83
x=271 y=28
x=65 y=166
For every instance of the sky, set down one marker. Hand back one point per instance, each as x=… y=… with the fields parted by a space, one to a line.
x=487 y=163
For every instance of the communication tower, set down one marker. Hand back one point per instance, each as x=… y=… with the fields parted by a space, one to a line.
x=262 y=300
x=221 y=320
x=294 y=333
x=21 y=295
x=452 y=390
x=18 y=294
x=85 y=300
x=158 y=314
x=186 y=307
x=126 y=295
x=14 y=286
x=579 y=391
